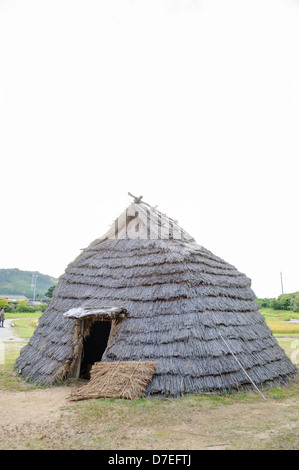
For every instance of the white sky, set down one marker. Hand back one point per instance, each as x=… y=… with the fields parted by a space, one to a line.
x=193 y=104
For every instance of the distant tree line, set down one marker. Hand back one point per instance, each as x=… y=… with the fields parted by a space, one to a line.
x=20 y=305
x=283 y=302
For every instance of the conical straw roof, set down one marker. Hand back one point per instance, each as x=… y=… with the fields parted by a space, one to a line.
x=179 y=300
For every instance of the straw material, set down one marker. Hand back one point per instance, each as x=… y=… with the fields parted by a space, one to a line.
x=116 y=380
x=178 y=297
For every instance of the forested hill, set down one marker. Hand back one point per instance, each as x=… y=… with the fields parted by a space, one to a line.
x=15 y=281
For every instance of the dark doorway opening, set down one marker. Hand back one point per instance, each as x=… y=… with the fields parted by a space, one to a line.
x=94 y=346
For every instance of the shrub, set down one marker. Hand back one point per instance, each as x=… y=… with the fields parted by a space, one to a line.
x=3 y=302
x=263 y=302
x=22 y=306
x=50 y=291
x=275 y=304
x=294 y=304
x=283 y=302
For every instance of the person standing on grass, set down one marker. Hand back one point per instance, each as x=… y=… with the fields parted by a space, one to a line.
x=2 y=317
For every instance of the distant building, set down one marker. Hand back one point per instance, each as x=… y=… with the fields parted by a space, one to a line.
x=35 y=302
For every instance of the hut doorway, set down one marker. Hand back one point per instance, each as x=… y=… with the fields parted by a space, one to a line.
x=94 y=333
x=94 y=346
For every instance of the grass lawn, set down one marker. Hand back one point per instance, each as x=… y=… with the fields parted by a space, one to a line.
x=13 y=315
x=24 y=327
x=9 y=378
x=234 y=421
x=278 y=315
x=23 y=330
x=291 y=347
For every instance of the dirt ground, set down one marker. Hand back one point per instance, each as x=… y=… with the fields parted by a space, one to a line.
x=45 y=419
x=34 y=406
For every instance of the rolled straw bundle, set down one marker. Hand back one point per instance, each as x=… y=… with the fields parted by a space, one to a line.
x=127 y=379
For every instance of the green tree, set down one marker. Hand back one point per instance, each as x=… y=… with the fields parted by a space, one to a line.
x=295 y=302
x=264 y=302
x=4 y=303
x=275 y=304
x=49 y=292
x=21 y=305
x=285 y=301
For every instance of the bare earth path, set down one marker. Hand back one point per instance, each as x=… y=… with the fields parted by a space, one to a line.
x=33 y=406
x=5 y=332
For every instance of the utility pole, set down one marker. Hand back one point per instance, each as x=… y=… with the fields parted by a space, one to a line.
x=281 y=283
x=33 y=285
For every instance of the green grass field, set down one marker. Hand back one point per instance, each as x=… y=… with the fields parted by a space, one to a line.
x=24 y=327
x=13 y=315
x=279 y=315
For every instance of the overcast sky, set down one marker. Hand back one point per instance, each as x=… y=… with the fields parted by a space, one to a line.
x=193 y=104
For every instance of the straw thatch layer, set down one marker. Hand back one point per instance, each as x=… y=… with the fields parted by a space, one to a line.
x=178 y=297
x=116 y=380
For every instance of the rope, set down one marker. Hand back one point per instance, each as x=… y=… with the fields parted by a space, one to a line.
x=242 y=366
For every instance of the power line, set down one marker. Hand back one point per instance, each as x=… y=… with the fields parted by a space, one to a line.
x=281 y=283
x=33 y=285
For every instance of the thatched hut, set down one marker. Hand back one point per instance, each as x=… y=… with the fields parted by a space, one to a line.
x=146 y=291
